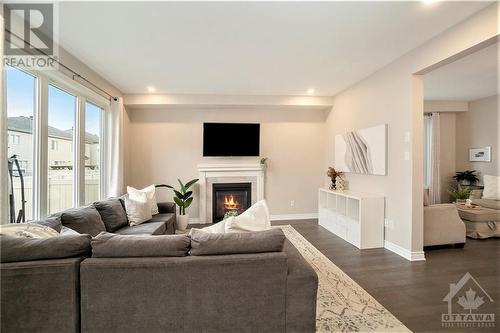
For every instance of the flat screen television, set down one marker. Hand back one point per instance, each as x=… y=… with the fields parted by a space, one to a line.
x=231 y=139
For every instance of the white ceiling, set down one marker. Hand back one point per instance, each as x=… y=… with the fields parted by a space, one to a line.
x=248 y=48
x=470 y=78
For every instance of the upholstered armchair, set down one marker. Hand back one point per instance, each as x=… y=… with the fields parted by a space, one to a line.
x=443 y=226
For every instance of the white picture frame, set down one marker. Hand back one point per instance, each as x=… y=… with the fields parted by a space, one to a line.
x=482 y=154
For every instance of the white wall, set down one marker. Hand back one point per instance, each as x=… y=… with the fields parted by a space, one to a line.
x=478 y=128
x=166 y=144
x=393 y=95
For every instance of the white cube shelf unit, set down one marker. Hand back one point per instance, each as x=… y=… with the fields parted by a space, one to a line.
x=354 y=216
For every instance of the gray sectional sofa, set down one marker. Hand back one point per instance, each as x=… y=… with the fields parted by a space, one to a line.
x=109 y=215
x=252 y=282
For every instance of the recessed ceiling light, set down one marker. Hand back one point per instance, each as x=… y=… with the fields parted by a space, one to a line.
x=429 y=2
x=310 y=91
x=151 y=89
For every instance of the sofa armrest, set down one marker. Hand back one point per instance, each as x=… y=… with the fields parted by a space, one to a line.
x=40 y=296
x=166 y=207
x=301 y=292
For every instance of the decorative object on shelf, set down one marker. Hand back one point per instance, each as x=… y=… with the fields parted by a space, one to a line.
x=340 y=183
x=480 y=154
x=466 y=178
x=460 y=193
x=183 y=198
x=263 y=161
x=362 y=151
x=332 y=173
x=230 y=213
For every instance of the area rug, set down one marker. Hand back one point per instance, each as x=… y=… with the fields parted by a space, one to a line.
x=342 y=306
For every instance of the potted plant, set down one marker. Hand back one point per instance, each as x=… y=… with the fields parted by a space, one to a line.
x=183 y=198
x=333 y=174
x=466 y=178
x=460 y=193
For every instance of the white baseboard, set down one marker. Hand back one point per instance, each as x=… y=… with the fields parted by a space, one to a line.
x=284 y=217
x=195 y=220
x=407 y=254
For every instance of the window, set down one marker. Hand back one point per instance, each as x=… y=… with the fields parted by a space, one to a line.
x=64 y=168
x=92 y=152
x=20 y=93
x=14 y=139
x=61 y=122
x=53 y=145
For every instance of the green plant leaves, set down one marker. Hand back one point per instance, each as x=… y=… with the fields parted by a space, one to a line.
x=179 y=202
x=187 y=195
x=190 y=183
x=179 y=194
x=188 y=202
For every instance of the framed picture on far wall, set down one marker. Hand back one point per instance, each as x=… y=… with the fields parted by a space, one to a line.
x=480 y=154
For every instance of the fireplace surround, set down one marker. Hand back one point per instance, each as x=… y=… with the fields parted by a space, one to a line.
x=230 y=197
x=210 y=174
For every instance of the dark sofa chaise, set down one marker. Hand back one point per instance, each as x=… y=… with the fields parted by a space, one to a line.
x=255 y=282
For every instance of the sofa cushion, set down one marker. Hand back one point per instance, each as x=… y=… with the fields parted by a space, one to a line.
x=26 y=249
x=112 y=214
x=138 y=208
x=205 y=243
x=148 y=228
x=85 y=220
x=53 y=222
x=107 y=245
x=491 y=187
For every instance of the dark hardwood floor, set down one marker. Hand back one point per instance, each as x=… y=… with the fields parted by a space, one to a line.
x=413 y=291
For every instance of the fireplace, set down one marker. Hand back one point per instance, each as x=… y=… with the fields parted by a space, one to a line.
x=230 y=197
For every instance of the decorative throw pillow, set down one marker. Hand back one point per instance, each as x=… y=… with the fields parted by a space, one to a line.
x=216 y=228
x=150 y=194
x=27 y=230
x=112 y=214
x=255 y=218
x=65 y=231
x=84 y=220
x=491 y=187
x=138 y=208
x=52 y=221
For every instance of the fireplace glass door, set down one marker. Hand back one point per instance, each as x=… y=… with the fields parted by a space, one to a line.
x=230 y=199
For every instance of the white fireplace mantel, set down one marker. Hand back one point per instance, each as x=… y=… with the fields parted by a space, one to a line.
x=228 y=173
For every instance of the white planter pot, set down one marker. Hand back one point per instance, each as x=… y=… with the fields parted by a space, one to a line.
x=182 y=222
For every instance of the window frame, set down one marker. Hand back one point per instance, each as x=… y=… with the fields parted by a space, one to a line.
x=40 y=140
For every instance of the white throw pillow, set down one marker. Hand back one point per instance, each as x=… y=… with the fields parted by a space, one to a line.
x=216 y=228
x=491 y=187
x=255 y=218
x=138 y=208
x=150 y=194
x=65 y=231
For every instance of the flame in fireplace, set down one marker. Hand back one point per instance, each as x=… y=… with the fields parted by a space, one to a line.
x=230 y=203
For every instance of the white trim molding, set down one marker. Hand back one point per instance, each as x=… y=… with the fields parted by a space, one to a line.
x=209 y=173
x=407 y=254
x=285 y=217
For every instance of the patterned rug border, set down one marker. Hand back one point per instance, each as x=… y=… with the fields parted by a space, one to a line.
x=342 y=305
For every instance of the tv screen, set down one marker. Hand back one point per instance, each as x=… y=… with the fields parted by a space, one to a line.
x=225 y=139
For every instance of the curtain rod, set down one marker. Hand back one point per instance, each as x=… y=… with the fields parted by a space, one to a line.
x=73 y=72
